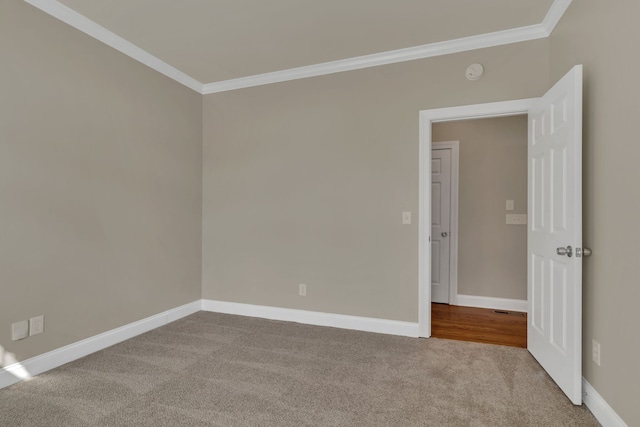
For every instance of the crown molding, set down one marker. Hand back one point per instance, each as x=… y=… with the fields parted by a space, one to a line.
x=98 y=32
x=498 y=38
x=556 y=11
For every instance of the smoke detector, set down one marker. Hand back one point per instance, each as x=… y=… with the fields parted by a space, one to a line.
x=474 y=72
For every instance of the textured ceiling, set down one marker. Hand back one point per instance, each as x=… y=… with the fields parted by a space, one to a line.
x=216 y=40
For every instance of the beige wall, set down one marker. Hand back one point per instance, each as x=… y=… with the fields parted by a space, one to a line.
x=492 y=256
x=306 y=181
x=100 y=188
x=604 y=37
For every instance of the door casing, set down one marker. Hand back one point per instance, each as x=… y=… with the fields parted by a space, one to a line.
x=427 y=117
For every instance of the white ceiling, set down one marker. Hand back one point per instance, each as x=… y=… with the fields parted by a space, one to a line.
x=211 y=42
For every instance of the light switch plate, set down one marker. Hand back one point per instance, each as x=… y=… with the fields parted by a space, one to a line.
x=19 y=330
x=406 y=217
x=516 y=219
x=510 y=205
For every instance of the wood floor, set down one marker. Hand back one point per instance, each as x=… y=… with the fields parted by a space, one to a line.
x=479 y=325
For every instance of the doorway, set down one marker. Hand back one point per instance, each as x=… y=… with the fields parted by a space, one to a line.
x=554 y=278
x=427 y=118
x=478 y=213
x=478 y=253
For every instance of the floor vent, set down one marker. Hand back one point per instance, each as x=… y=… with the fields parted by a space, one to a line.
x=510 y=313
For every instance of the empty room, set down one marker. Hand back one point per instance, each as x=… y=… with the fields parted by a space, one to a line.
x=219 y=213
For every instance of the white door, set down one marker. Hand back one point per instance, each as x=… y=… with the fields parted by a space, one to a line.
x=440 y=224
x=555 y=233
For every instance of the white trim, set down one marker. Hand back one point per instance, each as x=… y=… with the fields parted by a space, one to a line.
x=47 y=361
x=426 y=118
x=599 y=407
x=498 y=38
x=454 y=146
x=491 y=302
x=480 y=111
x=481 y=41
x=356 y=323
x=555 y=13
x=98 y=32
x=424 y=224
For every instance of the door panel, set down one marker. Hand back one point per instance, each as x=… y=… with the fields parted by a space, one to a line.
x=435 y=262
x=436 y=204
x=537 y=187
x=558 y=309
x=536 y=297
x=555 y=209
x=440 y=223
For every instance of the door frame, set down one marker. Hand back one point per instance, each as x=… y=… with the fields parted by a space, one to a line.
x=454 y=146
x=427 y=118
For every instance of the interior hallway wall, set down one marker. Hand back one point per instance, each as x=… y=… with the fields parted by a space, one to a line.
x=100 y=184
x=492 y=256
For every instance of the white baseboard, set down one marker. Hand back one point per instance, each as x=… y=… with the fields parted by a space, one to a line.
x=36 y=365
x=495 y=303
x=599 y=407
x=17 y=372
x=367 y=324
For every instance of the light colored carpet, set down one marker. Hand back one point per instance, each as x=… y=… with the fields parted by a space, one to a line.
x=220 y=370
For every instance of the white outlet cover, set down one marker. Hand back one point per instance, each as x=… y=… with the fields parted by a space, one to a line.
x=19 y=330
x=406 y=217
x=36 y=325
x=596 y=352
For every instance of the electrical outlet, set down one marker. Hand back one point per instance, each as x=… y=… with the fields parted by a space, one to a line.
x=406 y=218
x=19 y=330
x=36 y=325
x=302 y=290
x=595 y=352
